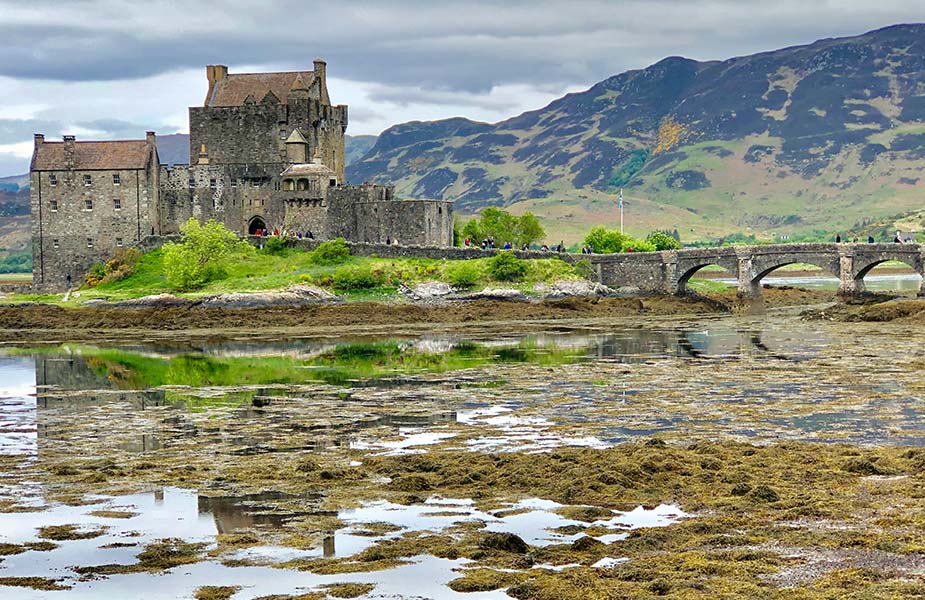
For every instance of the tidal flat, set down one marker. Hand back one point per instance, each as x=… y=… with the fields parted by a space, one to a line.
x=691 y=456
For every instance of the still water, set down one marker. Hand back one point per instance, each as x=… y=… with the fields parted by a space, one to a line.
x=588 y=385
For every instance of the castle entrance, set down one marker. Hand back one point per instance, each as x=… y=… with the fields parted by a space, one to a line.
x=257 y=223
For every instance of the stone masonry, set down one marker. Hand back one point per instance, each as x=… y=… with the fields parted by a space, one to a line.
x=266 y=152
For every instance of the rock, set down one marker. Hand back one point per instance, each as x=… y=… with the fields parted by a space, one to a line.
x=297 y=295
x=93 y=302
x=506 y=542
x=511 y=295
x=155 y=300
x=427 y=290
x=765 y=494
x=581 y=288
x=587 y=544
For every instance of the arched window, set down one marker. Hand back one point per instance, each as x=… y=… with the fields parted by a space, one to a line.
x=303 y=185
x=288 y=185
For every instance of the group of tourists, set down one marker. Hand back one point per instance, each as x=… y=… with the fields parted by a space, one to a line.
x=897 y=239
x=489 y=244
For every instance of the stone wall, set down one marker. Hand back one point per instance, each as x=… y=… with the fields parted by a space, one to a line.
x=371 y=214
x=68 y=236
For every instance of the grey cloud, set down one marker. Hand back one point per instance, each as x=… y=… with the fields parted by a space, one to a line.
x=16 y=130
x=10 y=164
x=469 y=46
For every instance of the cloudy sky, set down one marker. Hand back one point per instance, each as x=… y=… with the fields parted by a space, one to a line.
x=111 y=69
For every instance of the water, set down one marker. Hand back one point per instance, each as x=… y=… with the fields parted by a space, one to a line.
x=587 y=385
x=903 y=283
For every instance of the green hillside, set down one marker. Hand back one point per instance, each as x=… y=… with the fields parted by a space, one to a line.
x=795 y=143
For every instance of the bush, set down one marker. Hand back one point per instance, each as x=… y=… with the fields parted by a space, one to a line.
x=355 y=278
x=202 y=255
x=95 y=275
x=584 y=269
x=333 y=252
x=276 y=245
x=634 y=245
x=605 y=241
x=504 y=266
x=663 y=241
x=463 y=275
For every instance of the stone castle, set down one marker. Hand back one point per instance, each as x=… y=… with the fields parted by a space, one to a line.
x=266 y=152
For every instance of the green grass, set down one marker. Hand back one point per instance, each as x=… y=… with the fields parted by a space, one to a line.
x=263 y=271
x=16 y=277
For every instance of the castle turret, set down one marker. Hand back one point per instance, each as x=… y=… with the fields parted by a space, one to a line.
x=321 y=78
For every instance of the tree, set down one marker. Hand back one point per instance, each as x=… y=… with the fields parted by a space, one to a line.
x=663 y=241
x=529 y=229
x=605 y=241
x=504 y=227
x=203 y=254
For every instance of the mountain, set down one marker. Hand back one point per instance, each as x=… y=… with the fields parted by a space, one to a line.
x=800 y=141
x=356 y=147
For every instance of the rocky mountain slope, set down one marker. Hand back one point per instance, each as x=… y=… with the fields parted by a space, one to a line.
x=796 y=142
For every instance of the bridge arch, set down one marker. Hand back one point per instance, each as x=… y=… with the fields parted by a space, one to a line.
x=864 y=265
x=692 y=270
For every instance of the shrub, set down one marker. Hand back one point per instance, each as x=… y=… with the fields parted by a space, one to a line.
x=584 y=269
x=332 y=252
x=663 y=241
x=95 y=275
x=634 y=245
x=463 y=275
x=276 y=245
x=605 y=241
x=202 y=255
x=504 y=266
x=355 y=278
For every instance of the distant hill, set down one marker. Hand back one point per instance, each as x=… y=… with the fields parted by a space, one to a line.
x=356 y=147
x=799 y=141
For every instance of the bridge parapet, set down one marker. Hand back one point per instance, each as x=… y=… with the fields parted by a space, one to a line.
x=670 y=271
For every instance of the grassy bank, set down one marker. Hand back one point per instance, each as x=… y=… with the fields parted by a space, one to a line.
x=354 y=278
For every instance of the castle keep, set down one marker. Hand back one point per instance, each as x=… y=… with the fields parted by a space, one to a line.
x=266 y=152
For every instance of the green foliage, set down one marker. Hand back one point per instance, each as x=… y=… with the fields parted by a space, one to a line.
x=463 y=275
x=333 y=252
x=504 y=266
x=584 y=269
x=95 y=274
x=605 y=241
x=121 y=265
x=504 y=227
x=608 y=241
x=203 y=254
x=19 y=262
x=457 y=234
x=632 y=165
x=662 y=241
x=360 y=277
x=276 y=245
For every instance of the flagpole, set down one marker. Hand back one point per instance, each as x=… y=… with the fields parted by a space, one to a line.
x=621 y=211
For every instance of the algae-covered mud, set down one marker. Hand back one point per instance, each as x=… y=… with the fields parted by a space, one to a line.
x=695 y=457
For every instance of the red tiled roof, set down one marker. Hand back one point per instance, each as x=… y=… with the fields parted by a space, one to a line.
x=232 y=90
x=128 y=154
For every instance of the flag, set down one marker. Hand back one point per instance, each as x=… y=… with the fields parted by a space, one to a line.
x=621 y=197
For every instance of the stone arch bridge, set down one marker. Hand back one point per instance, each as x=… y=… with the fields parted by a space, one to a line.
x=670 y=271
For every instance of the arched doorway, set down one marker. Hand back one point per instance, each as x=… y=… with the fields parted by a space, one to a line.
x=257 y=223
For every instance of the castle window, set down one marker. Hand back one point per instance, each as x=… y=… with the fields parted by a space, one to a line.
x=116 y=179
x=332 y=182
x=234 y=182
x=88 y=180
x=213 y=184
x=88 y=204
x=89 y=242
x=54 y=244
x=118 y=242
x=52 y=179
x=282 y=134
x=439 y=210
x=53 y=205
x=192 y=183
x=117 y=204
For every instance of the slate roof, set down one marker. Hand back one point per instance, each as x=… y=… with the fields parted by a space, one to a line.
x=234 y=89
x=110 y=155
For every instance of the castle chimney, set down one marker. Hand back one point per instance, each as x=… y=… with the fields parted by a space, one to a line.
x=69 y=158
x=39 y=139
x=321 y=77
x=150 y=137
x=216 y=72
